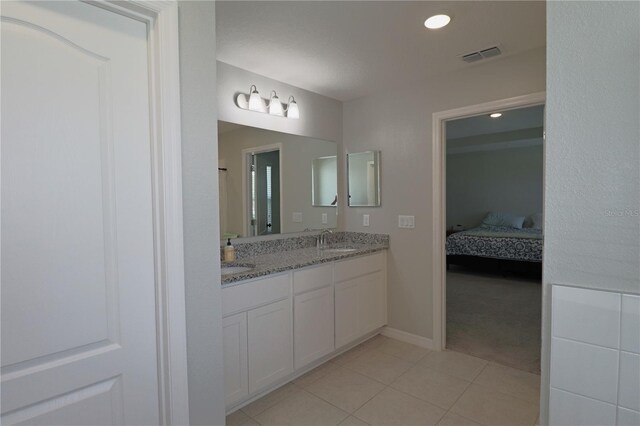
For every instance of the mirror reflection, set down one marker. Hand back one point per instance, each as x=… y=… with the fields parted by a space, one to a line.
x=364 y=179
x=274 y=183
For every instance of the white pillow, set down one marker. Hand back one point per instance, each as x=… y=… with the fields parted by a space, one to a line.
x=535 y=221
x=503 y=219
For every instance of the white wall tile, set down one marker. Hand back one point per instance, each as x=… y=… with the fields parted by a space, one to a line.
x=630 y=327
x=566 y=408
x=629 y=396
x=584 y=369
x=589 y=316
x=628 y=417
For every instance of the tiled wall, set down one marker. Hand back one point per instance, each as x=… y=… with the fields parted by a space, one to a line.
x=595 y=358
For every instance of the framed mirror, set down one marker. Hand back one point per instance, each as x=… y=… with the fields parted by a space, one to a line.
x=324 y=175
x=363 y=173
x=274 y=183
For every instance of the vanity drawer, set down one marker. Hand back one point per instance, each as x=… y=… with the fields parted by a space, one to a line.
x=312 y=278
x=249 y=295
x=352 y=268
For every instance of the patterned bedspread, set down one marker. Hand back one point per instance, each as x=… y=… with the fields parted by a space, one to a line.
x=498 y=243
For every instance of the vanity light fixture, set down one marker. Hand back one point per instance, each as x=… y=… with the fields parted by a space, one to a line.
x=255 y=101
x=495 y=115
x=437 y=21
x=275 y=107
x=292 y=108
x=272 y=106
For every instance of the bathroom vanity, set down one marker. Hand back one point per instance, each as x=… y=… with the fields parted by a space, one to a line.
x=297 y=308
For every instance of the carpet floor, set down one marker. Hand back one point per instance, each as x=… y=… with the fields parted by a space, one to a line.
x=495 y=318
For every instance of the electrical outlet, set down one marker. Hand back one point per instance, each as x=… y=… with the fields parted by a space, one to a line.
x=406 y=221
x=297 y=217
x=324 y=219
x=365 y=220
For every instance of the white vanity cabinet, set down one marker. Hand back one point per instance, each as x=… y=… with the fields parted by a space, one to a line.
x=277 y=327
x=257 y=335
x=360 y=297
x=313 y=314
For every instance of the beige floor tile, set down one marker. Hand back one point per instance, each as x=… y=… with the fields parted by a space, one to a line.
x=346 y=389
x=380 y=366
x=302 y=409
x=406 y=351
x=353 y=421
x=453 y=419
x=391 y=407
x=511 y=381
x=456 y=364
x=431 y=385
x=350 y=355
x=239 y=418
x=315 y=374
x=489 y=407
x=269 y=400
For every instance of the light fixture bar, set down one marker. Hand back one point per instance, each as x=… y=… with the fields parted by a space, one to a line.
x=272 y=106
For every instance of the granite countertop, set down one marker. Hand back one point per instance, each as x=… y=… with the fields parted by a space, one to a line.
x=281 y=261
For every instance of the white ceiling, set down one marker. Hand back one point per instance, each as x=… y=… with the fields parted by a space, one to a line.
x=346 y=50
x=515 y=119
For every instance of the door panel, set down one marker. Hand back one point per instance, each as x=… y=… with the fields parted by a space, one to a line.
x=236 y=382
x=78 y=279
x=313 y=325
x=270 y=344
x=346 y=308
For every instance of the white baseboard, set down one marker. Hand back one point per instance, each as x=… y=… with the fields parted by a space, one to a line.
x=403 y=336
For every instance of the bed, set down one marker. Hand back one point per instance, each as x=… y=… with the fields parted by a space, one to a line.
x=505 y=245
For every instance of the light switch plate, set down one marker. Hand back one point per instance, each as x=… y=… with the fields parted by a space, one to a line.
x=324 y=219
x=297 y=217
x=406 y=221
x=365 y=220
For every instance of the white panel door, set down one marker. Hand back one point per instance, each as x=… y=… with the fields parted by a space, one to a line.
x=313 y=325
x=78 y=280
x=270 y=344
x=236 y=380
x=346 y=312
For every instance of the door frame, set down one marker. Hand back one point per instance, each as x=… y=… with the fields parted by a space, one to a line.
x=161 y=19
x=438 y=167
x=246 y=194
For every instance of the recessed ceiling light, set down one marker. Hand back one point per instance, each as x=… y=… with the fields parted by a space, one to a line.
x=495 y=115
x=437 y=21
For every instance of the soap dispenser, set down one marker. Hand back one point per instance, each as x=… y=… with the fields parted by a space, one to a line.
x=229 y=252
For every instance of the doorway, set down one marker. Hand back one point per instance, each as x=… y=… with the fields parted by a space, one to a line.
x=263 y=192
x=439 y=197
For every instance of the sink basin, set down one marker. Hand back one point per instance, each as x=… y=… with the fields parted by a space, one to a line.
x=339 y=250
x=231 y=269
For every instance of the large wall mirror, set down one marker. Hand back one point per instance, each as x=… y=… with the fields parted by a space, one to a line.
x=364 y=179
x=274 y=183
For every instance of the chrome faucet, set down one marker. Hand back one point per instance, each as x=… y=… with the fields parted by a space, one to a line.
x=321 y=240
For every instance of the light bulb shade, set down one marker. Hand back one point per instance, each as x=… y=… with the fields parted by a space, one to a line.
x=255 y=101
x=275 y=107
x=292 y=109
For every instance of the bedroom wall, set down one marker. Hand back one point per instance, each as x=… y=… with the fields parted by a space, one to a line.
x=505 y=180
x=398 y=122
x=592 y=217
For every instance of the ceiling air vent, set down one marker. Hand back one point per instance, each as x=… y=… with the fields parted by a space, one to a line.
x=482 y=54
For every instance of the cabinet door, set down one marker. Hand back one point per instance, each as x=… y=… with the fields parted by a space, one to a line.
x=270 y=344
x=346 y=312
x=371 y=302
x=313 y=325
x=236 y=381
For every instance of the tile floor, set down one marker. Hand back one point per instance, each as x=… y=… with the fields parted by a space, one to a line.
x=387 y=382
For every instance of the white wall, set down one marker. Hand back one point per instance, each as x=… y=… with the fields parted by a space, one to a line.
x=592 y=188
x=506 y=180
x=296 y=159
x=398 y=122
x=200 y=207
